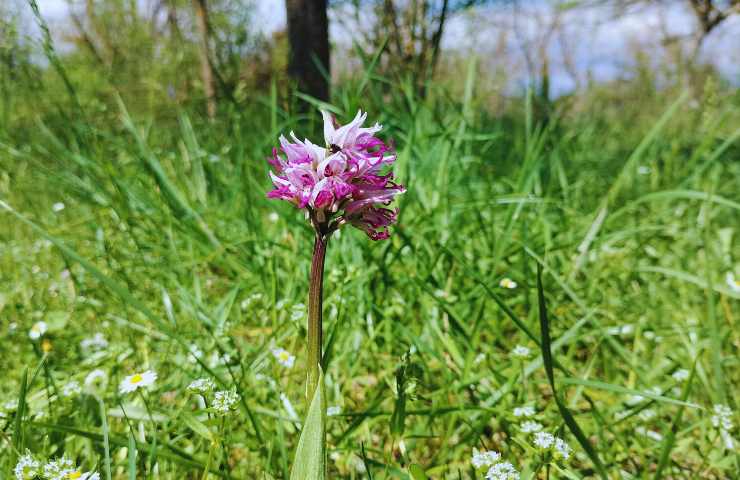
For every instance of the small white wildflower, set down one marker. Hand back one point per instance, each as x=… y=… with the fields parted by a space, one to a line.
x=543 y=440
x=297 y=312
x=281 y=304
x=273 y=217
x=520 y=351
x=680 y=375
x=479 y=358
x=96 y=380
x=643 y=170
x=647 y=414
x=38 y=330
x=96 y=342
x=57 y=207
x=283 y=357
x=202 y=385
x=195 y=353
x=12 y=327
x=562 y=449
x=136 y=381
x=733 y=282
x=655 y=436
x=722 y=417
x=224 y=401
x=485 y=458
x=333 y=411
x=288 y=406
x=727 y=439
x=27 y=467
x=71 y=389
x=526 y=411
x=530 y=427
x=507 y=283
x=502 y=471
x=58 y=469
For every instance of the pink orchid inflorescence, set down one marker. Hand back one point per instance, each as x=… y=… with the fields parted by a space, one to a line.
x=342 y=182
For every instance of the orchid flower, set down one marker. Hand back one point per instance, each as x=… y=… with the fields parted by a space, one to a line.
x=343 y=182
x=340 y=183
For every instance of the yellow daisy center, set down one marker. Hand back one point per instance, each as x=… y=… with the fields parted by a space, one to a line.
x=75 y=474
x=284 y=356
x=136 y=378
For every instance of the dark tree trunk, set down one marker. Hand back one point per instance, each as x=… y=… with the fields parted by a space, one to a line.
x=206 y=69
x=308 y=34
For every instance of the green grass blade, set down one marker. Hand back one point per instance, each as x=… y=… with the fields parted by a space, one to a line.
x=548 y=363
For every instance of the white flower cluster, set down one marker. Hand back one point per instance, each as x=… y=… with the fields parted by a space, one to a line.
x=548 y=442
x=63 y=468
x=224 y=401
x=496 y=469
x=202 y=386
x=521 y=351
x=526 y=411
x=722 y=420
x=71 y=389
x=94 y=343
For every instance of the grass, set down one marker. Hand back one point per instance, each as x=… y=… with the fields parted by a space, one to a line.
x=166 y=241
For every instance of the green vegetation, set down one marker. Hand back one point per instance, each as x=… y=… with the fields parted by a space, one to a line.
x=625 y=196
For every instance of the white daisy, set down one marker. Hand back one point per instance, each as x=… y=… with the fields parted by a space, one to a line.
x=520 y=351
x=485 y=458
x=136 y=381
x=38 y=330
x=96 y=380
x=502 y=471
x=507 y=283
x=27 y=467
x=530 y=427
x=333 y=411
x=202 y=385
x=680 y=375
x=283 y=357
x=543 y=440
x=526 y=411
x=733 y=282
x=57 y=207
x=71 y=389
x=224 y=401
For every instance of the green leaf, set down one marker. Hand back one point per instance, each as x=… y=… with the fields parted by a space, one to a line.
x=197 y=426
x=310 y=456
x=417 y=473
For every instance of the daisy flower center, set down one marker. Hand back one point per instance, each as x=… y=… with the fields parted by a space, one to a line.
x=75 y=474
x=135 y=379
x=284 y=356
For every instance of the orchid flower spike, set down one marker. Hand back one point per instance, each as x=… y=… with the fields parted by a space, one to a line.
x=341 y=182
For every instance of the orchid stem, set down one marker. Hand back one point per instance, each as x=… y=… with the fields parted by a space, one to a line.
x=315 y=300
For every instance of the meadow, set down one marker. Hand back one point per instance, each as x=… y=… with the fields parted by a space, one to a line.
x=142 y=240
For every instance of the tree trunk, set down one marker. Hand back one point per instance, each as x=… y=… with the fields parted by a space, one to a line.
x=308 y=34
x=206 y=69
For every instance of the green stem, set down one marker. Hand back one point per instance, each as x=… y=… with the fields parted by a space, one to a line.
x=315 y=299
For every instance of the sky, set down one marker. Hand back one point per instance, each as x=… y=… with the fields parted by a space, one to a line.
x=597 y=49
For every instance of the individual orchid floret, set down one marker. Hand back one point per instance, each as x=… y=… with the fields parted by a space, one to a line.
x=342 y=182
